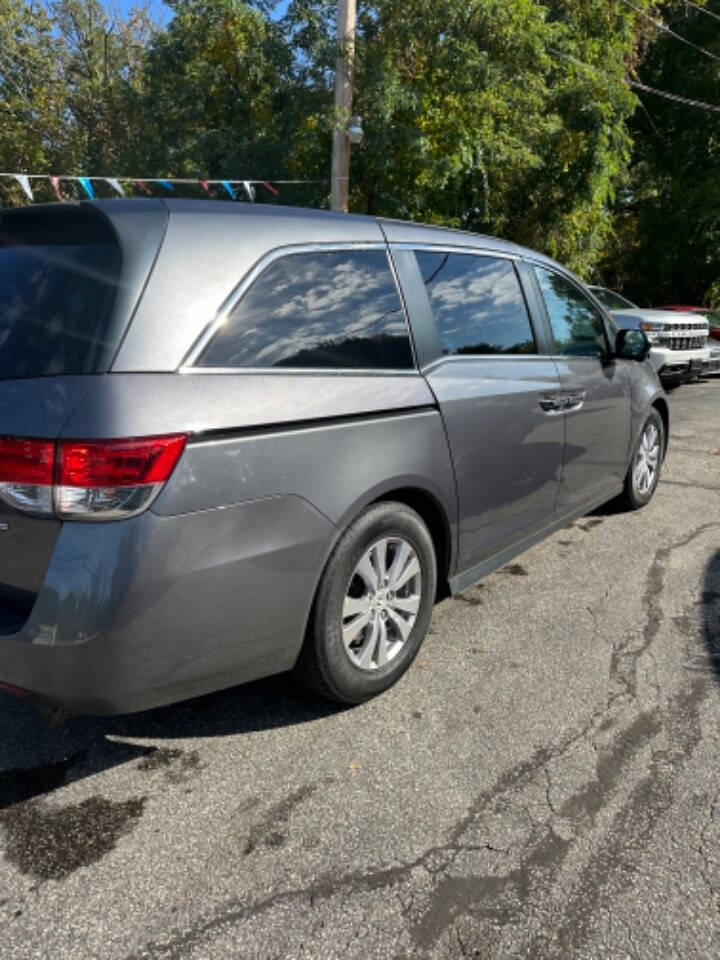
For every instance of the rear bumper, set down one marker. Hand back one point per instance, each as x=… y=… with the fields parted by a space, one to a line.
x=144 y=612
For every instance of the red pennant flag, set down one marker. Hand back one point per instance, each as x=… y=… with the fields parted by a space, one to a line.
x=271 y=188
x=141 y=185
x=206 y=186
x=55 y=181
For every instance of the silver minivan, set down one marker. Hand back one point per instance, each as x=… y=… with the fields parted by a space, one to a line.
x=237 y=440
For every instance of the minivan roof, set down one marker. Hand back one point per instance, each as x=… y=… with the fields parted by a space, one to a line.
x=282 y=217
x=290 y=220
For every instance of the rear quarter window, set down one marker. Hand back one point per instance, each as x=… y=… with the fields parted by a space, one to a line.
x=59 y=276
x=322 y=309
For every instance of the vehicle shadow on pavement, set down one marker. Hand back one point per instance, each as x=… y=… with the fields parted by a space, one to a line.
x=37 y=757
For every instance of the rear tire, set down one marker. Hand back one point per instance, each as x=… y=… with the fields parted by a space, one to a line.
x=373 y=606
x=646 y=463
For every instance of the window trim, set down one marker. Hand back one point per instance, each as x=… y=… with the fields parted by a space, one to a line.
x=537 y=329
x=277 y=253
x=542 y=306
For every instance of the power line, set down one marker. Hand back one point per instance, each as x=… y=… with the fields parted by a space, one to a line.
x=674 y=96
x=705 y=10
x=699 y=104
x=662 y=26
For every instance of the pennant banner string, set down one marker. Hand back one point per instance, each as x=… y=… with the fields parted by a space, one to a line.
x=116 y=185
x=25 y=184
x=87 y=186
x=142 y=184
x=163 y=181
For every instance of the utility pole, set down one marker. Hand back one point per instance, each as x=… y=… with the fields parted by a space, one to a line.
x=339 y=188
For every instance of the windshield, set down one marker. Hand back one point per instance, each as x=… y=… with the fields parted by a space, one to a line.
x=611 y=300
x=58 y=282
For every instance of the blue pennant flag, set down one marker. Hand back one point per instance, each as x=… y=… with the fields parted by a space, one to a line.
x=166 y=184
x=87 y=187
x=226 y=184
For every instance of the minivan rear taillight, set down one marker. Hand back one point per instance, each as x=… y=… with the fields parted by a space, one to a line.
x=86 y=480
x=26 y=474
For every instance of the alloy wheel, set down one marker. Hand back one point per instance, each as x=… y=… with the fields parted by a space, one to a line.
x=381 y=603
x=647 y=459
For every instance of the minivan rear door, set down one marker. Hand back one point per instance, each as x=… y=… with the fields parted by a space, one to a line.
x=482 y=359
x=70 y=277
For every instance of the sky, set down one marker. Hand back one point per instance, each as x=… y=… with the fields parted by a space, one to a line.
x=160 y=12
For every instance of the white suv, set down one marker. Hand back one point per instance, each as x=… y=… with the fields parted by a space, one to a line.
x=679 y=340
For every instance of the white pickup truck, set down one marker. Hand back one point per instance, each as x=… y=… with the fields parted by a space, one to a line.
x=679 y=341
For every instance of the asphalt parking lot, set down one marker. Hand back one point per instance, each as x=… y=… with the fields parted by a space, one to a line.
x=543 y=783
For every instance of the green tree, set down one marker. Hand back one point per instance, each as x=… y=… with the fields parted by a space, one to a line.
x=513 y=117
x=505 y=116
x=102 y=60
x=218 y=93
x=666 y=244
x=70 y=80
x=32 y=91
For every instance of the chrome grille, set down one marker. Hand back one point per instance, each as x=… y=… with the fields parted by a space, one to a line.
x=683 y=343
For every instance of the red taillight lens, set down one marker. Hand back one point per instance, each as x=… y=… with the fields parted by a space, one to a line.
x=26 y=461
x=119 y=463
x=86 y=480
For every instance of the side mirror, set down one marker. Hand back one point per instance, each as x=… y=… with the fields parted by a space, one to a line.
x=632 y=345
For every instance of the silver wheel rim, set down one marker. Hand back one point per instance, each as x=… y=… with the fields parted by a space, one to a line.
x=647 y=459
x=381 y=603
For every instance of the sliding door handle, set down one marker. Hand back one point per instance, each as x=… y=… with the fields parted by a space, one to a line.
x=552 y=402
x=574 y=400
x=562 y=402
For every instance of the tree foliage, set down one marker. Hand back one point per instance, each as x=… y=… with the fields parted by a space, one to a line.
x=513 y=117
x=31 y=88
x=665 y=247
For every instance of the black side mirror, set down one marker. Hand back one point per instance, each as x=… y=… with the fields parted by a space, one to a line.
x=631 y=345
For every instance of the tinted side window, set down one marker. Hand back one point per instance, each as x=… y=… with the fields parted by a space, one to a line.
x=577 y=326
x=477 y=303
x=321 y=309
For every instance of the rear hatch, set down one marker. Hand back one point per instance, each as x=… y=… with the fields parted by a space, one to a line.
x=70 y=279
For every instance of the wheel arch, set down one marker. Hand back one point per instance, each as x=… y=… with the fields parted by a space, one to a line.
x=661 y=405
x=436 y=520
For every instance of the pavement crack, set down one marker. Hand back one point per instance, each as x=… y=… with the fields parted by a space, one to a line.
x=522 y=890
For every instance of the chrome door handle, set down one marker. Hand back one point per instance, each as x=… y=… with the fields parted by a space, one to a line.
x=574 y=399
x=552 y=402
x=562 y=402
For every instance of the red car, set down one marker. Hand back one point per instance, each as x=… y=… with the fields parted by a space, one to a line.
x=713 y=317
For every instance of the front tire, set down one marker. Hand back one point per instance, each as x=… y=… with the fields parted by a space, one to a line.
x=646 y=463
x=373 y=605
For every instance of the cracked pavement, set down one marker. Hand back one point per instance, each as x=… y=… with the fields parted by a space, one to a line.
x=543 y=783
